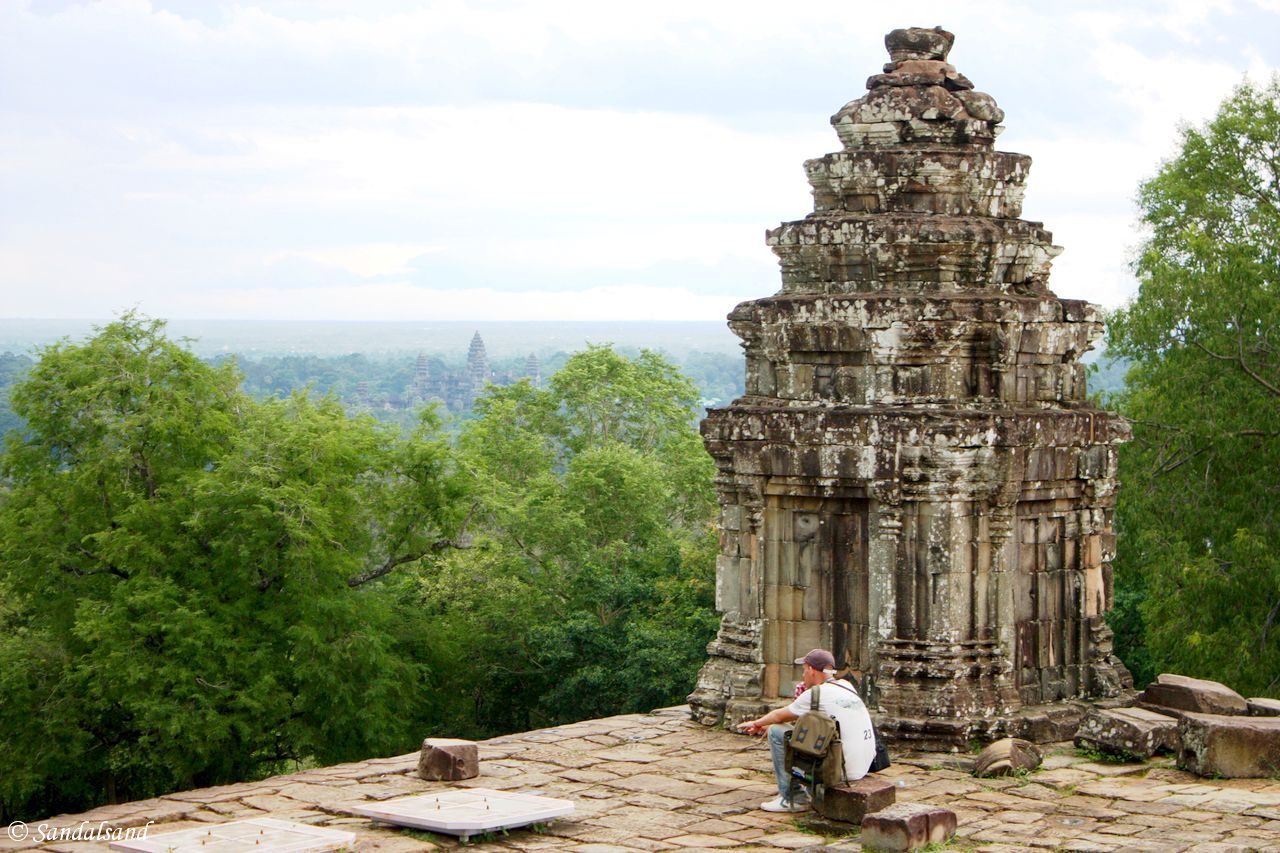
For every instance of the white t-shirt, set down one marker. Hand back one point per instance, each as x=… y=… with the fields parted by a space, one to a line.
x=841 y=701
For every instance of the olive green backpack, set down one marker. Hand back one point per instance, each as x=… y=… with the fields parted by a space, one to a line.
x=815 y=738
x=815 y=731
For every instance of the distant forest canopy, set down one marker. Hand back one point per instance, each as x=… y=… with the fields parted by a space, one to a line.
x=380 y=340
x=383 y=385
x=389 y=386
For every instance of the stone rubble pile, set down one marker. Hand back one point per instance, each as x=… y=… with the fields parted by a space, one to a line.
x=1007 y=756
x=1212 y=729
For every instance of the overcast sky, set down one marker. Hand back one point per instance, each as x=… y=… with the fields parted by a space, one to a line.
x=495 y=159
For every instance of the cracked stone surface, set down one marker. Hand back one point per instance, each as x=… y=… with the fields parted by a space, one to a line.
x=915 y=478
x=698 y=788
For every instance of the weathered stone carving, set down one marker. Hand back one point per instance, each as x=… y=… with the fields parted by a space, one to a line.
x=915 y=478
x=1136 y=731
x=1006 y=757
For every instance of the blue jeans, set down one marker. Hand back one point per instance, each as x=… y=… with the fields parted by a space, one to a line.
x=778 y=751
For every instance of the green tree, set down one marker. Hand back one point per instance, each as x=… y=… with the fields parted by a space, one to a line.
x=194 y=585
x=1200 y=546
x=588 y=589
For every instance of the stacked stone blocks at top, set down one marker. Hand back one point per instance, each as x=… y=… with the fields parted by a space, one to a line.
x=915 y=477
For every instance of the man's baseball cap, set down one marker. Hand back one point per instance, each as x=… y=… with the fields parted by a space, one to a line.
x=820 y=659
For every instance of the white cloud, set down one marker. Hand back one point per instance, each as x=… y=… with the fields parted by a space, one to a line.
x=1160 y=91
x=1094 y=265
x=217 y=158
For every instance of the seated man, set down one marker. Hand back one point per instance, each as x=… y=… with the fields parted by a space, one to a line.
x=837 y=698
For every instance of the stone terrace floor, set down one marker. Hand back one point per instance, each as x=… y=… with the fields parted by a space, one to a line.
x=660 y=782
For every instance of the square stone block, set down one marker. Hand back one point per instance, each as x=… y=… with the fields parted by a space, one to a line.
x=448 y=760
x=812 y=604
x=771 y=686
x=907 y=826
x=1133 y=730
x=772 y=602
x=1180 y=693
x=1231 y=746
x=855 y=800
x=808 y=635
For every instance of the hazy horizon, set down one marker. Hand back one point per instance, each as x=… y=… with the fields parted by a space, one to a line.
x=502 y=338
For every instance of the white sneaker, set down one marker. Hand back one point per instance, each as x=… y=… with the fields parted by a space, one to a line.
x=778 y=804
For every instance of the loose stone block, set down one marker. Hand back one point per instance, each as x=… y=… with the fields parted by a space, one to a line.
x=1006 y=756
x=854 y=801
x=448 y=760
x=1133 y=730
x=1231 y=746
x=1180 y=693
x=907 y=826
x=1261 y=707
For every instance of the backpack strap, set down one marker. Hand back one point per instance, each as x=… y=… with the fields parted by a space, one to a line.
x=813 y=697
x=852 y=690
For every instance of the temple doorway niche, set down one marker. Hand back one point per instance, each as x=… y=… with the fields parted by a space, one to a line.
x=815 y=585
x=1049 y=647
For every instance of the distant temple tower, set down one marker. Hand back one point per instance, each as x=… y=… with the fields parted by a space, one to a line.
x=478 y=373
x=421 y=378
x=915 y=478
x=532 y=370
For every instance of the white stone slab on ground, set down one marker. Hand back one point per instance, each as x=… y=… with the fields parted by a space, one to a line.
x=465 y=812
x=258 y=835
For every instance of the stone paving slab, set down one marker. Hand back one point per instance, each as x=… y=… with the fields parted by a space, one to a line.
x=661 y=782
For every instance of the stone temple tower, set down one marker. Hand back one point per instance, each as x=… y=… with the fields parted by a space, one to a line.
x=915 y=478
x=478 y=372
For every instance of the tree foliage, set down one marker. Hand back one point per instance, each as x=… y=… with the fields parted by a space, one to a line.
x=197 y=587
x=192 y=583
x=589 y=587
x=1198 y=518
